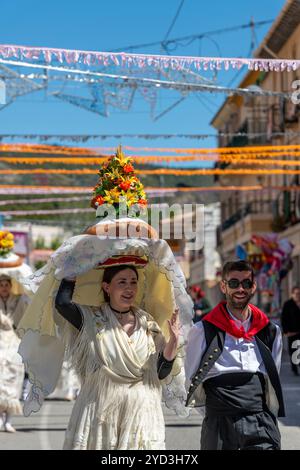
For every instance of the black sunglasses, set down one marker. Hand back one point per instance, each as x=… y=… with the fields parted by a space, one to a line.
x=235 y=283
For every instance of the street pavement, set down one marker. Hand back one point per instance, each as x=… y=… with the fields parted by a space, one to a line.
x=45 y=430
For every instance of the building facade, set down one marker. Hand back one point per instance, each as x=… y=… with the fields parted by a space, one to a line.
x=205 y=264
x=267 y=121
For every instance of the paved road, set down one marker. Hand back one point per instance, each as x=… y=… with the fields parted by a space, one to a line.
x=45 y=430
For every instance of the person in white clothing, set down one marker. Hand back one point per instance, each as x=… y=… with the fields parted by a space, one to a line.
x=110 y=301
x=12 y=308
x=232 y=363
x=119 y=405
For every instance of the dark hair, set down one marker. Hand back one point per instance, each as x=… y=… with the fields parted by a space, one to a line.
x=109 y=274
x=238 y=265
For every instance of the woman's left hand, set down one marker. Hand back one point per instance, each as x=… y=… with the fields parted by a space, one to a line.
x=170 y=349
x=174 y=325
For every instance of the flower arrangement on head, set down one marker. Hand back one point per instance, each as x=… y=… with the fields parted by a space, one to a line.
x=117 y=181
x=6 y=242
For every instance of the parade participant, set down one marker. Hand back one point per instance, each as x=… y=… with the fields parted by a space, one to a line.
x=12 y=306
x=119 y=405
x=233 y=359
x=201 y=304
x=290 y=322
x=125 y=348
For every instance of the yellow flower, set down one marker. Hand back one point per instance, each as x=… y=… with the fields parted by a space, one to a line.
x=112 y=196
x=6 y=241
x=131 y=198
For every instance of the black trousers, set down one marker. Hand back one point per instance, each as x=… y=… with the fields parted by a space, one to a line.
x=255 y=431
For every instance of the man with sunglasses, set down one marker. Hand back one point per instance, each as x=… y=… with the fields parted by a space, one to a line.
x=233 y=361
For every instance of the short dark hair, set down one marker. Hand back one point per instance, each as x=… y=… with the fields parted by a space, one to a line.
x=238 y=265
x=110 y=272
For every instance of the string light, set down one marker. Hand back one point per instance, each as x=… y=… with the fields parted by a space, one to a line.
x=86 y=137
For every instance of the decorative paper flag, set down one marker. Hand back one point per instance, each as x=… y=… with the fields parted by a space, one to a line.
x=2 y=92
x=51 y=55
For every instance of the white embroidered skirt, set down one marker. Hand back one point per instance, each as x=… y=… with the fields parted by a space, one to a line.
x=109 y=415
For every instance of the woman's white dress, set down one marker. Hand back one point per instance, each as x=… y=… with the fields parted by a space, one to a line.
x=11 y=366
x=68 y=384
x=119 y=405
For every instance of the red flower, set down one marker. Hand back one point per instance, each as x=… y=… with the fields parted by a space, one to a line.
x=125 y=185
x=97 y=201
x=128 y=168
x=142 y=202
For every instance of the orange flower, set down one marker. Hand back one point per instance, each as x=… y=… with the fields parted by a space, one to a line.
x=128 y=168
x=142 y=202
x=97 y=201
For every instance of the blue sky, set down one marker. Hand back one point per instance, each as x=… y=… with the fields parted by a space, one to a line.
x=110 y=25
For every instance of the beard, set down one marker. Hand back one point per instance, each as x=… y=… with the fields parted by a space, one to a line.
x=238 y=304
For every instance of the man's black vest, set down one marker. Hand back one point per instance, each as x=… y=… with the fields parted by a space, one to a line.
x=215 y=338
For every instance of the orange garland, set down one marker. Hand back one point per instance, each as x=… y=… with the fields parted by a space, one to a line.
x=255 y=149
x=94 y=160
x=249 y=161
x=145 y=160
x=55 y=149
x=79 y=189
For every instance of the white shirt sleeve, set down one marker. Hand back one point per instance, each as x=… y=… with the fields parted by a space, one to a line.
x=195 y=348
x=277 y=348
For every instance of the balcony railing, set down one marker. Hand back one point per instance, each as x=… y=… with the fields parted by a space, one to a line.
x=253 y=207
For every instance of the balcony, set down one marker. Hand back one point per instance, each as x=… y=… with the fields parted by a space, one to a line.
x=254 y=217
x=291 y=113
x=256 y=130
x=236 y=217
x=253 y=207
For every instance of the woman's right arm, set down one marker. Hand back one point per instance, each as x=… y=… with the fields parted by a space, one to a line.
x=65 y=306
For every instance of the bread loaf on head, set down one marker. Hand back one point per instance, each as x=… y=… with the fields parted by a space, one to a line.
x=124 y=228
x=11 y=261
